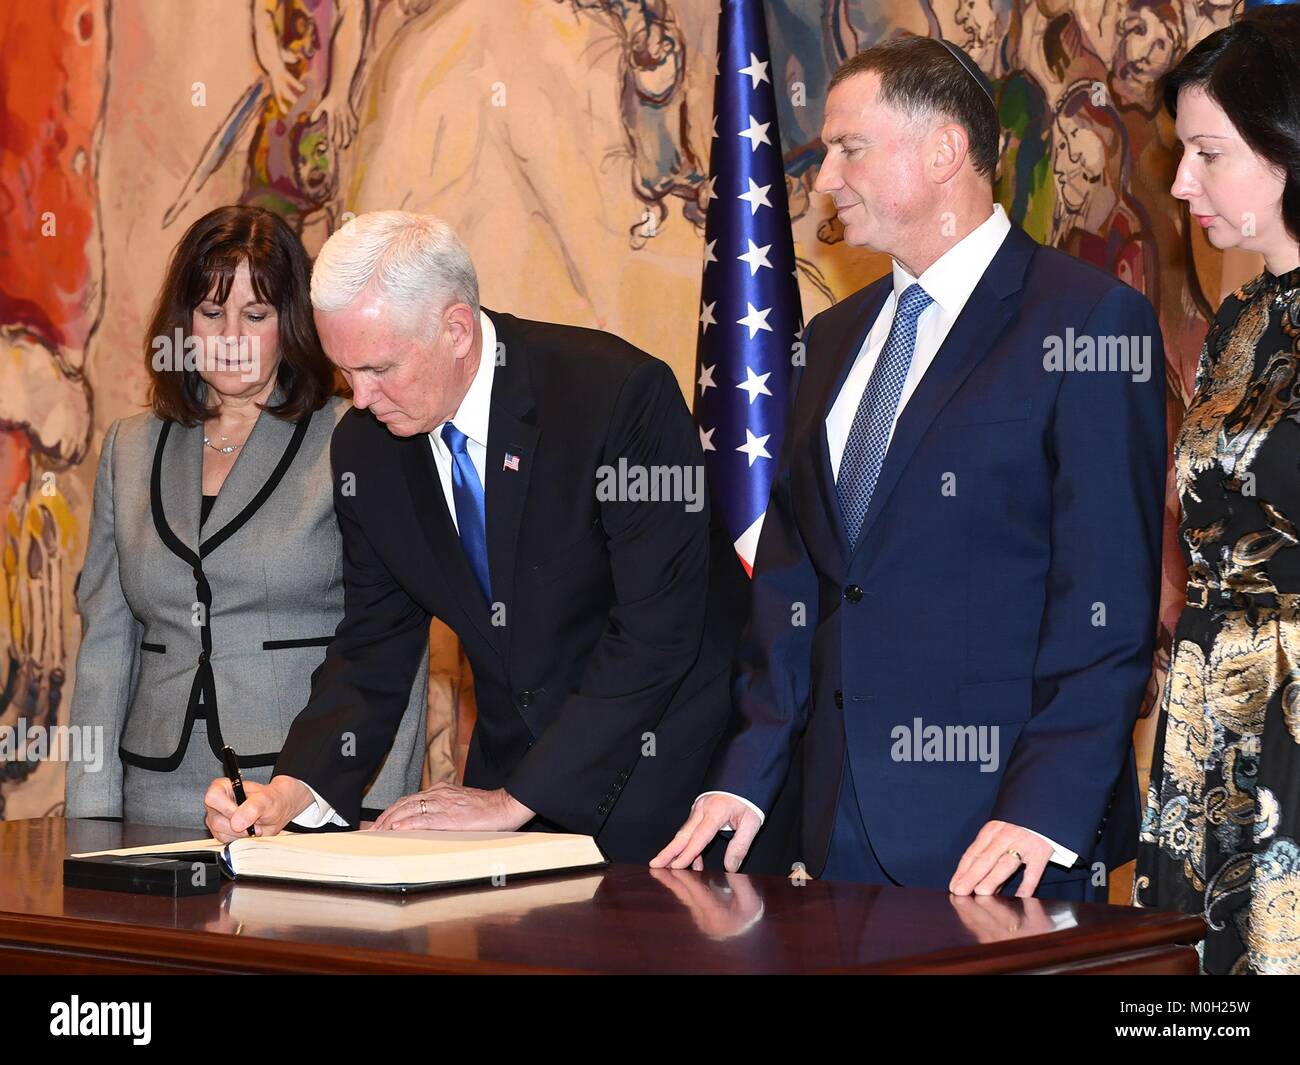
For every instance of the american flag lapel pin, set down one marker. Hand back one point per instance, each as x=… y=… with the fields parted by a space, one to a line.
x=510 y=462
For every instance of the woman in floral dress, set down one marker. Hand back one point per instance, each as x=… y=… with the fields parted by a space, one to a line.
x=1221 y=833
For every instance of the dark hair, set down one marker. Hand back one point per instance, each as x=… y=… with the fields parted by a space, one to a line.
x=203 y=267
x=1251 y=69
x=920 y=74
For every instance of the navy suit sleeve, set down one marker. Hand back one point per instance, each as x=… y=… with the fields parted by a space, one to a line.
x=772 y=677
x=1099 y=618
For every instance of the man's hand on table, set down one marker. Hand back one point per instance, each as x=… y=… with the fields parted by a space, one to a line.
x=455 y=808
x=709 y=816
x=997 y=854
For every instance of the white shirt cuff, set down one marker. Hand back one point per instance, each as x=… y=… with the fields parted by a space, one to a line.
x=318 y=814
x=761 y=816
x=1060 y=855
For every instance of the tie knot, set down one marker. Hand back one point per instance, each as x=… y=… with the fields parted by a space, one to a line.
x=455 y=440
x=913 y=301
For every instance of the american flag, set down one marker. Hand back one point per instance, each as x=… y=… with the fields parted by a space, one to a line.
x=749 y=308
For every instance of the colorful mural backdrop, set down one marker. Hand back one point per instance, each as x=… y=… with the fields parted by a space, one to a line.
x=567 y=140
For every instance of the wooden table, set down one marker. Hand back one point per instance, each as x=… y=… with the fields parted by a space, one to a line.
x=622 y=919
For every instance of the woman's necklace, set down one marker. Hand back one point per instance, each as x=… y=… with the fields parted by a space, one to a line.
x=225 y=449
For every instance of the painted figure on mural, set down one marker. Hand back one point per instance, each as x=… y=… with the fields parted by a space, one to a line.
x=977 y=27
x=300 y=110
x=1128 y=44
x=656 y=118
x=52 y=93
x=1094 y=217
x=309 y=51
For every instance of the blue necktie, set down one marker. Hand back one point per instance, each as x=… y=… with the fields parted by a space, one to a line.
x=864 y=451
x=467 y=491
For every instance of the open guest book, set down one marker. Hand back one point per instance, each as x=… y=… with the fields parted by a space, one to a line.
x=381 y=861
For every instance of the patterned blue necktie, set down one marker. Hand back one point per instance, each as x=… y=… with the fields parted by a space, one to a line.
x=467 y=491
x=864 y=451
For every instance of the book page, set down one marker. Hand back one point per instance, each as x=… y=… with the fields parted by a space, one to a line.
x=183 y=847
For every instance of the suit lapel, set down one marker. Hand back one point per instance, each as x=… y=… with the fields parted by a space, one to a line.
x=181 y=483
x=982 y=319
x=511 y=446
x=845 y=338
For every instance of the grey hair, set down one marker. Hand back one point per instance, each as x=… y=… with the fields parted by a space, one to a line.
x=415 y=260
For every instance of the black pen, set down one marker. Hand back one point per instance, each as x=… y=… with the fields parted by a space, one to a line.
x=231 y=761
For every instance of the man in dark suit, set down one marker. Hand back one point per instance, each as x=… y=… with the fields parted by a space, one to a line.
x=969 y=506
x=540 y=489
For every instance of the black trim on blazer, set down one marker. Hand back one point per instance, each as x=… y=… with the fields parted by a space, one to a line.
x=204 y=686
x=156 y=648
x=313 y=641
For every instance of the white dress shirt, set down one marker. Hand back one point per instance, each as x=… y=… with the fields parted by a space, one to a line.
x=949 y=280
x=471 y=418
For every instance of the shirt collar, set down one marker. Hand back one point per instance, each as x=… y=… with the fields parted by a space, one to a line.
x=952 y=277
x=475 y=410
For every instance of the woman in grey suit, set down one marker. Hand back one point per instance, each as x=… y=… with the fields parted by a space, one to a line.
x=213 y=575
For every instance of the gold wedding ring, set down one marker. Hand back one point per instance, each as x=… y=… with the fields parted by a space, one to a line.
x=1016 y=855
x=423 y=808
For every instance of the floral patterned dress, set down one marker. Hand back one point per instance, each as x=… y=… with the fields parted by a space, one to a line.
x=1219 y=836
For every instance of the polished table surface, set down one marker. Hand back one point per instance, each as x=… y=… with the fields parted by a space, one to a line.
x=620 y=919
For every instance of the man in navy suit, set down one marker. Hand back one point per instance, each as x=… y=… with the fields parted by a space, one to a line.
x=967 y=512
x=539 y=488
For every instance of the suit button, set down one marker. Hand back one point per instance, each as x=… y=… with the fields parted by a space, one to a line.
x=839 y=699
x=525 y=699
x=853 y=593
x=203 y=657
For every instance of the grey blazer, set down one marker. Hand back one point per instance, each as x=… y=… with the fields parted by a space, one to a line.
x=212 y=639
